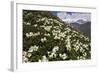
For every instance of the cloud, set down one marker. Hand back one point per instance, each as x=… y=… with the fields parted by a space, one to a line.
x=74 y=16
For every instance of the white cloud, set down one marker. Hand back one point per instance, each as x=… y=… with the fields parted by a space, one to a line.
x=74 y=16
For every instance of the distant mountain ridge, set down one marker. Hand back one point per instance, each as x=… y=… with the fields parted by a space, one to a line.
x=85 y=27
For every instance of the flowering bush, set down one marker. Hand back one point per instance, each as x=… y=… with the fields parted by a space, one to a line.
x=47 y=38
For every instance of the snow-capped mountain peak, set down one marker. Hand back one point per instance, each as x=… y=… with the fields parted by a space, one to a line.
x=81 y=21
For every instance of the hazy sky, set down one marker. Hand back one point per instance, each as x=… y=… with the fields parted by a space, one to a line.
x=73 y=16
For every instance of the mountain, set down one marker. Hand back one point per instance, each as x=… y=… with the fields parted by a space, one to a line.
x=85 y=28
x=48 y=38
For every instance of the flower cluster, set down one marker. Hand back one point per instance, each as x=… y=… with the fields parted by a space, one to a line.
x=44 y=59
x=33 y=48
x=43 y=39
x=30 y=34
x=24 y=58
x=53 y=53
x=63 y=56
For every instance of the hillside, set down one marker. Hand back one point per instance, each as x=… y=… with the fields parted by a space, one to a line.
x=47 y=38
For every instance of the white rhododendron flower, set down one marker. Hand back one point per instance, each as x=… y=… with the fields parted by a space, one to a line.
x=56 y=48
x=38 y=20
x=30 y=34
x=63 y=56
x=56 y=37
x=76 y=48
x=68 y=46
x=62 y=35
x=39 y=60
x=44 y=59
x=29 y=54
x=47 y=28
x=43 y=39
x=81 y=49
x=43 y=19
x=48 y=52
x=85 y=46
x=81 y=58
x=47 y=34
x=28 y=23
x=55 y=32
x=36 y=34
x=27 y=35
x=35 y=25
x=67 y=30
x=52 y=55
x=25 y=59
x=86 y=38
x=84 y=54
x=33 y=48
x=24 y=53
